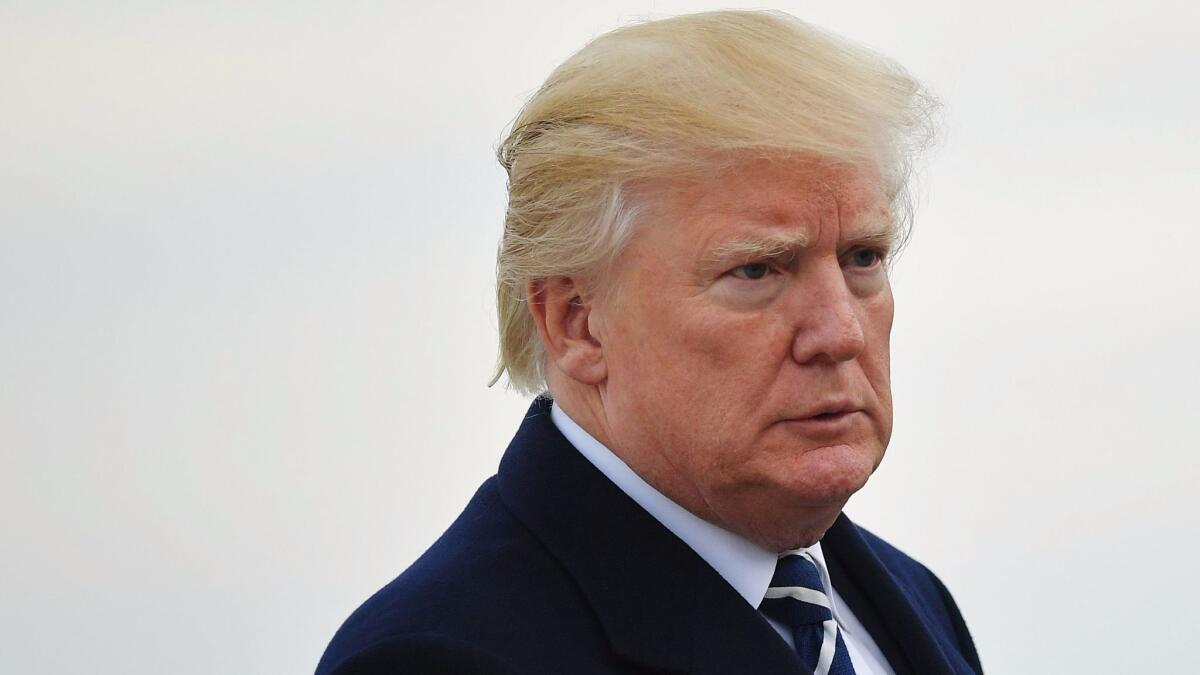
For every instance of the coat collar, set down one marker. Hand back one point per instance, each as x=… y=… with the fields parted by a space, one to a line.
x=659 y=603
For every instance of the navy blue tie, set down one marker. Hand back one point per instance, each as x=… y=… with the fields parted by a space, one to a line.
x=797 y=599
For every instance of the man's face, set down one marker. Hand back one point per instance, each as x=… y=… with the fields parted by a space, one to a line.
x=746 y=344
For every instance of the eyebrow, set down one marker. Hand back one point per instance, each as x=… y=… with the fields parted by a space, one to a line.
x=879 y=232
x=761 y=246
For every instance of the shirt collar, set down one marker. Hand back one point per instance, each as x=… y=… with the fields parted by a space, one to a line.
x=745 y=565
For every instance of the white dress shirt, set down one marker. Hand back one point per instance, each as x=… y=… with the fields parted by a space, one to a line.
x=746 y=566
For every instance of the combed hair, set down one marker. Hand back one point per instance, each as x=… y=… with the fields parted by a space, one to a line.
x=668 y=97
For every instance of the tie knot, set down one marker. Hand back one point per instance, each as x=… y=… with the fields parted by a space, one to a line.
x=797 y=596
x=798 y=569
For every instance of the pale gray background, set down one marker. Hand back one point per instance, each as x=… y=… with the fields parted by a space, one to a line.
x=246 y=318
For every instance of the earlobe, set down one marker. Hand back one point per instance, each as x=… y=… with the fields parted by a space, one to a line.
x=566 y=316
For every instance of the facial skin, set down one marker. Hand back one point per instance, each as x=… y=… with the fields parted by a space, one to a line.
x=746 y=305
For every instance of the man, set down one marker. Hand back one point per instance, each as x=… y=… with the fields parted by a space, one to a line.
x=694 y=267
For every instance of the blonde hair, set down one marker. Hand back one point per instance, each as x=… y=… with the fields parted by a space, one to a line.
x=668 y=97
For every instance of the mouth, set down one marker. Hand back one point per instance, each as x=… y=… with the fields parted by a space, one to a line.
x=826 y=422
x=830 y=416
x=830 y=410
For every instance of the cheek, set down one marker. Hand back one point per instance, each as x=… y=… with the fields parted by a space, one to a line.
x=727 y=367
x=732 y=352
x=682 y=357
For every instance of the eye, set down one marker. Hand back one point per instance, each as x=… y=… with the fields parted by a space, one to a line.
x=751 y=271
x=865 y=258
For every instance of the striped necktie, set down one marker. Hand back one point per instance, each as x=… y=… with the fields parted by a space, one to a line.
x=797 y=599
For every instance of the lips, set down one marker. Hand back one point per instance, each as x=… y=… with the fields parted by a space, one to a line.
x=829 y=410
x=826 y=424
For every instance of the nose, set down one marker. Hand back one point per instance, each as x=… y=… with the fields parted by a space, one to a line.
x=828 y=326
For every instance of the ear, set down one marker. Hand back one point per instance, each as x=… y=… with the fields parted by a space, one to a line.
x=564 y=316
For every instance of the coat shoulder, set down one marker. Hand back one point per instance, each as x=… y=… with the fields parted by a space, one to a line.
x=486 y=582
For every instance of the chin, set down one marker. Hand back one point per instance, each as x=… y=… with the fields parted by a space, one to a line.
x=830 y=475
x=811 y=504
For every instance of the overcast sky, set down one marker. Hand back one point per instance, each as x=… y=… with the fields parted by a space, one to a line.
x=246 y=318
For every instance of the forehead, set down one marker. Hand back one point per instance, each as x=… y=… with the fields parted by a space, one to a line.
x=779 y=191
x=797 y=199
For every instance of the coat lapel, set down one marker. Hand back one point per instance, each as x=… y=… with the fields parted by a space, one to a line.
x=659 y=603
